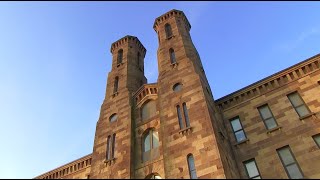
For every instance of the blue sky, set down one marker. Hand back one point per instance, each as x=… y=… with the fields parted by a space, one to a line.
x=55 y=57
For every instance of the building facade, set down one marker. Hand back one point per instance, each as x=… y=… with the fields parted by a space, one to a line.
x=175 y=129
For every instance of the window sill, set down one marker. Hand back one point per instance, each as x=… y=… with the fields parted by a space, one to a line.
x=274 y=129
x=185 y=130
x=307 y=116
x=242 y=142
x=119 y=64
x=174 y=65
x=115 y=94
x=109 y=161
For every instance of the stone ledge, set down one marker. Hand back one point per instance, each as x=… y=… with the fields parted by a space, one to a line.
x=307 y=116
x=274 y=129
x=109 y=161
x=242 y=142
x=185 y=130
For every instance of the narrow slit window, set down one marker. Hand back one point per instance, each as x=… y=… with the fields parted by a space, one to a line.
x=116 y=84
x=168 y=31
x=179 y=117
x=238 y=130
x=192 y=167
x=316 y=139
x=172 y=56
x=113 y=144
x=108 y=153
x=267 y=117
x=120 y=56
x=298 y=104
x=186 y=116
x=289 y=163
x=252 y=169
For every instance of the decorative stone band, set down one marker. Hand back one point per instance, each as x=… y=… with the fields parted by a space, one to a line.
x=144 y=90
x=126 y=39
x=169 y=14
x=270 y=83
x=67 y=169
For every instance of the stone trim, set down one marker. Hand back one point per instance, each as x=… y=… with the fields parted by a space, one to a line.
x=126 y=39
x=168 y=15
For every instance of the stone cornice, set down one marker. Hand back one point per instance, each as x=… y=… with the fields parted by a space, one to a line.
x=169 y=14
x=270 y=83
x=126 y=39
x=144 y=90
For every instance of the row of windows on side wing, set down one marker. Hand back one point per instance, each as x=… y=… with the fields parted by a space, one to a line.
x=268 y=117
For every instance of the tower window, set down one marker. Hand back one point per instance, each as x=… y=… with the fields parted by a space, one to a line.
x=238 y=129
x=116 y=84
x=252 y=169
x=298 y=104
x=148 y=110
x=267 y=117
x=120 y=56
x=111 y=140
x=179 y=117
x=168 y=31
x=172 y=56
x=192 y=167
x=185 y=111
x=150 y=144
x=316 y=138
x=177 y=87
x=186 y=122
x=113 y=117
x=289 y=162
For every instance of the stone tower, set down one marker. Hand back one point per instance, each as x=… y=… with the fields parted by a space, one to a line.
x=193 y=132
x=112 y=151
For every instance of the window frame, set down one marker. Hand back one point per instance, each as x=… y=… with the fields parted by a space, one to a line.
x=116 y=85
x=114 y=114
x=149 y=132
x=142 y=108
x=242 y=129
x=186 y=114
x=179 y=114
x=194 y=164
x=172 y=54
x=272 y=116
x=303 y=104
x=293 y=157
x=168 y=31
x=255 y=163
x=314 y=139
x=120 y=56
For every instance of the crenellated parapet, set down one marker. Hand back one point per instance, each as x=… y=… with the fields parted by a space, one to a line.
x=67 y=169
x=170 y=14
x=128 y=39
x=144 y=91
x=270 y=83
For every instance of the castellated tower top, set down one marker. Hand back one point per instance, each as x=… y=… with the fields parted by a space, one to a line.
x=128 y=39
x=172 y=13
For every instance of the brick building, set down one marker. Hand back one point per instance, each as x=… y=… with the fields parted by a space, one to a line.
x=175 y=129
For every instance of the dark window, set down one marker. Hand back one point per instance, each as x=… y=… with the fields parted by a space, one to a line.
x=179 y=117
x=120 y=56
x=192 y=168
x=108 y=154
x=116 y=84
x=238 y=129
x=177 y=87
x=289 y=162
x=185 y=111
x=113 y=117
x=150 y=143
x=168 y=30
x=111 y=140
x=298 y=104
x=267 y=117
x=172 y=56
x=316 y=138
x=148 y=110
x=252 y=169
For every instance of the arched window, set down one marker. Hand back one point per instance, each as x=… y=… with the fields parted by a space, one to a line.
x=150 y=144
x=192 y=168
x=116 y=84
x=113 y=117
x=148 y=110
x=185 y=111
x=179 y=117
x=168 y=30
x=108 y=153
x=177 y=87
x=153 y=176
x=113 y=145
x=111 y=141
x=120 y=56
x=172 y=56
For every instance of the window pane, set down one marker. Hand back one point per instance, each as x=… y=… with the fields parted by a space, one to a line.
x=155 y=140
x=286 y=156
x=302 y=111
x=317 y=139
x=172 y=56
x=193 y=175
x=240 y=136
x=265 y=112
x=179 y=117
x=192 y=169
x=236 y=124
x=148 y=110
x=120 y=54
x=185 y=110
x=177 y=87
x=252 y=169
x=147 y=144
x=270 y=123
x=294 y=171
x=295 y=99
x=113 y=117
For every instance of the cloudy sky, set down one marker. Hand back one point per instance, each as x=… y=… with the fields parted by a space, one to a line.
x=55 y=57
